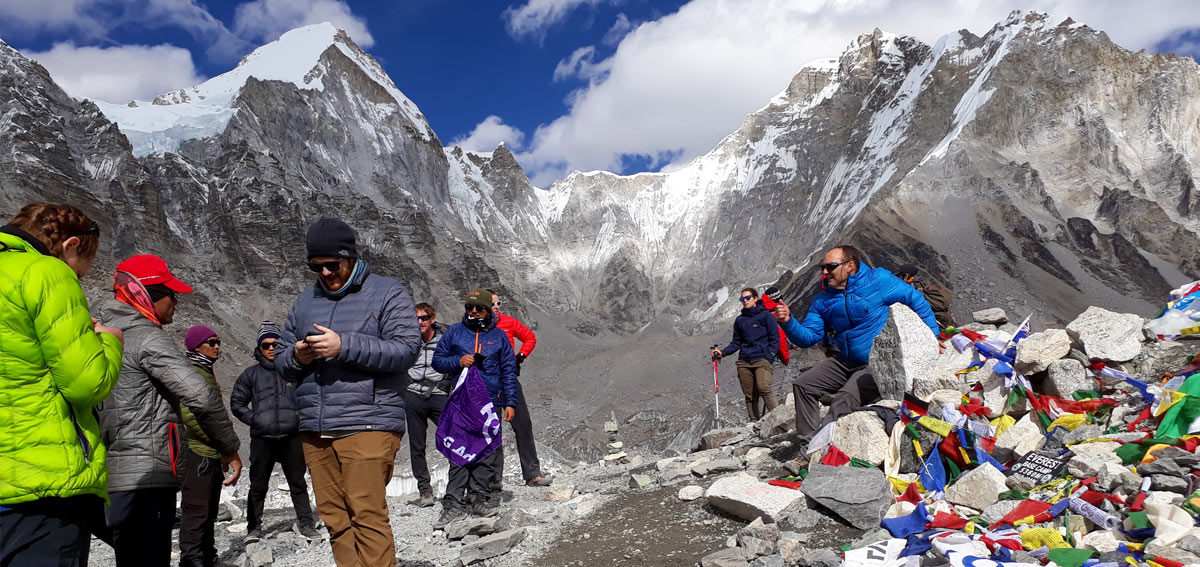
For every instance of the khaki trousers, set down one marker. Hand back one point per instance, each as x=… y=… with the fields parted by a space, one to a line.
x=349 y=477
x=755 y=377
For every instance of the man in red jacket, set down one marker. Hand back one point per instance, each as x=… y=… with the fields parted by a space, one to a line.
x=522 y=423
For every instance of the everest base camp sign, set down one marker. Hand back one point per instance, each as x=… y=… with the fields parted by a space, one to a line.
x=1037 y=468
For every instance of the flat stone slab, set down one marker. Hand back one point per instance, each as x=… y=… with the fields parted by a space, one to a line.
x=747 y=497
x=491 y=546
x=859 y=495
x=1107 y=335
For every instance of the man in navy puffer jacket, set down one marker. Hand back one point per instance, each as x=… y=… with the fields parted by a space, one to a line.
x=349 y=342
x=848 y=313
x=756 y=340
x=477 y=341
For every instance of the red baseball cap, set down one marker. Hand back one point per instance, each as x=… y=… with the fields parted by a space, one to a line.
x=150 y=270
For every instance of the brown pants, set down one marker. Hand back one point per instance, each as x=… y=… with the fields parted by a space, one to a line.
x=755 y=377
x=349 y=477
x=851 y=386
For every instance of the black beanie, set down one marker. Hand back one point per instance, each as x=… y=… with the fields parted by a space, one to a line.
x=331 y=238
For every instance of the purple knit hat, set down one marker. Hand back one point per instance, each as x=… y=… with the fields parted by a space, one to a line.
x=196 y=336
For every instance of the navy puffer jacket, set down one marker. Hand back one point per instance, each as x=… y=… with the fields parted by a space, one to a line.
x=262 y=399
x=755 y=335
x=499 y=367
x=363 y=388
x=852 y=318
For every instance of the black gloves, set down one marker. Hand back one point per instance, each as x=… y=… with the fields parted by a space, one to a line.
x=479 y=356
x=520 y=358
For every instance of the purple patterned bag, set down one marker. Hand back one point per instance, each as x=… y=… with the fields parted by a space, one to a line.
x=469 y=429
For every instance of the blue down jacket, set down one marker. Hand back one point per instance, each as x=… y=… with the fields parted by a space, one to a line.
x=363 y=388
x=854 y=316
x=499 y=368
x=755 y=335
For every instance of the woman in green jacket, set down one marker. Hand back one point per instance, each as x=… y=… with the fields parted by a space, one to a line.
x=56 y=364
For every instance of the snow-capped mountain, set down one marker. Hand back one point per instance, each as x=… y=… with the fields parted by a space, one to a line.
x=1039 y=166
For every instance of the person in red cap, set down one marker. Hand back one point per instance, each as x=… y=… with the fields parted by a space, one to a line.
x=140 y=421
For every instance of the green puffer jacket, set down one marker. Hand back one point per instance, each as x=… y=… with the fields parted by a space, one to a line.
x=198 y=441
x=54 y=368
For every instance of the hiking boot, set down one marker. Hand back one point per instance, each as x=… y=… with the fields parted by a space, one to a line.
x=310 y=532
x=797 y=464
x=426 y=500
x=485 y=509
x=539 y=481
x=255 y=535
x=496 y=485
x=450 y=514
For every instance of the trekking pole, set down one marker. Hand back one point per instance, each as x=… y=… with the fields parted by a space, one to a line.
x=716 y=387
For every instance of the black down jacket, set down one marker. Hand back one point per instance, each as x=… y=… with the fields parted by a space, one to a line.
x=262 y=399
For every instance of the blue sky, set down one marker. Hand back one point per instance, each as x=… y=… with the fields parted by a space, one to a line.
x=624 y=85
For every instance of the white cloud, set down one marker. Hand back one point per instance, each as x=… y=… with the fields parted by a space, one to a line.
x=266 y=20
x=27 y=17
x=618 y=30
x=488 y=134
x=580 y=64
x=675 y=86
x=536 y=16
x=118 y=74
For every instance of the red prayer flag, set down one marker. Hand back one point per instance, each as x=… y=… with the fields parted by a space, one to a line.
x=946 y=520
x=835 y=457
x=1023 y=510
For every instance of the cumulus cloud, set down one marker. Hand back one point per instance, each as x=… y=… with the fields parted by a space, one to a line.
x=618 y=30
x=23 y=18
x=675 y=86
x=488 y=134
x=266 y=20
x=118 y=74
x=532 y=19
x=581 y=64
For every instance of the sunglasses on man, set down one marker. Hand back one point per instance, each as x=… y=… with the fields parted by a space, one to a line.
x=333 y=266
x=473 y=308
x=424 y=317
x=269 y=346
x=830 y=267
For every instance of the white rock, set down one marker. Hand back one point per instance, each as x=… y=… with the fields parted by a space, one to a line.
x=995 y=393
x=1024 y=436
x=1103 y=541
x=1098 y=448
x=1107 y=335
x=904 y=350
x=779 y=420
x=978 y=488
x=1036 y=352
x=559 y=493
x=993 y=316
x=861 y=435
x=746 y=497
x=943 y=374
x=940 y=398
x=1066 y=376
x=689 y=493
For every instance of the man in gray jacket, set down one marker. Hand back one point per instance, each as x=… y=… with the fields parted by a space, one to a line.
x=349 y=341
x=424 y=399
x=140 y=421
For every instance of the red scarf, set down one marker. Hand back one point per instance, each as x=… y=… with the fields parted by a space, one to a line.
x=131 y=292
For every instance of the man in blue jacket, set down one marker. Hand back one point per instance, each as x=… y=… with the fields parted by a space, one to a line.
x=847 y=314
x=756 y=340
x=477 y=341
x=350 y=340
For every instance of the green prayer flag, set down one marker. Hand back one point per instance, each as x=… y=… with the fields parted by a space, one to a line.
x=1070 y=557
x=1179 y=418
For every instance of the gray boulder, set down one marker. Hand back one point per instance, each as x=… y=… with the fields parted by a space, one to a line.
x=717 y=466
x=1037 y=351
x=714 y=439
x=861 y=435
x=859 y=496
x=995 y=393
x=514 y=518
x=1064 y=377
x=778 y=421
x=729 y=557
x=903 y=350
x=491 y=546
x=993 y=316
x=759 y=537
x=978 y=488
x=689 y=493
x=1107 y=335
x=1024 y=436
x=258 y=554
x=470 y=526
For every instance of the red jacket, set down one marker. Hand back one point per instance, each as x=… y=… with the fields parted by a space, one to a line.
x=515 y=330
x=770 y=304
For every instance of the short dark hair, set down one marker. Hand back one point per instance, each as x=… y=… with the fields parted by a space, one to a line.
x=752 y=291
x=850 y=254
x=492 y=291
x=426 y=308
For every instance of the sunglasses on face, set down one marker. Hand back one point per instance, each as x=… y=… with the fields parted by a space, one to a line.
x=424 y=317
x=333 y=266
x=472 y=308
x=830 y=267
x=496 y=303
x=747 y=297
x=212 y=342
x=269 y=346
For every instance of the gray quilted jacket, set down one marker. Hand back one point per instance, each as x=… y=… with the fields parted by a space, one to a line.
x=362 y=389
x=139 y=421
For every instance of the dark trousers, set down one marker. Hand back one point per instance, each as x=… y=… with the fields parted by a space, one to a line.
x=851 y=386
x=471 y=484
x=522 y=428
x=289 y=453
x=201 y=494
x=141 y=522
x=51 y=532
x=419 y=411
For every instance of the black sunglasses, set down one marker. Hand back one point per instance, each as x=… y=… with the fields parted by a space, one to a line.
x=832 y=266
x=333 y=266
x=93 y=229
x=471 y=308
x=269 y=346
x=424 y=317
x=213 y=342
